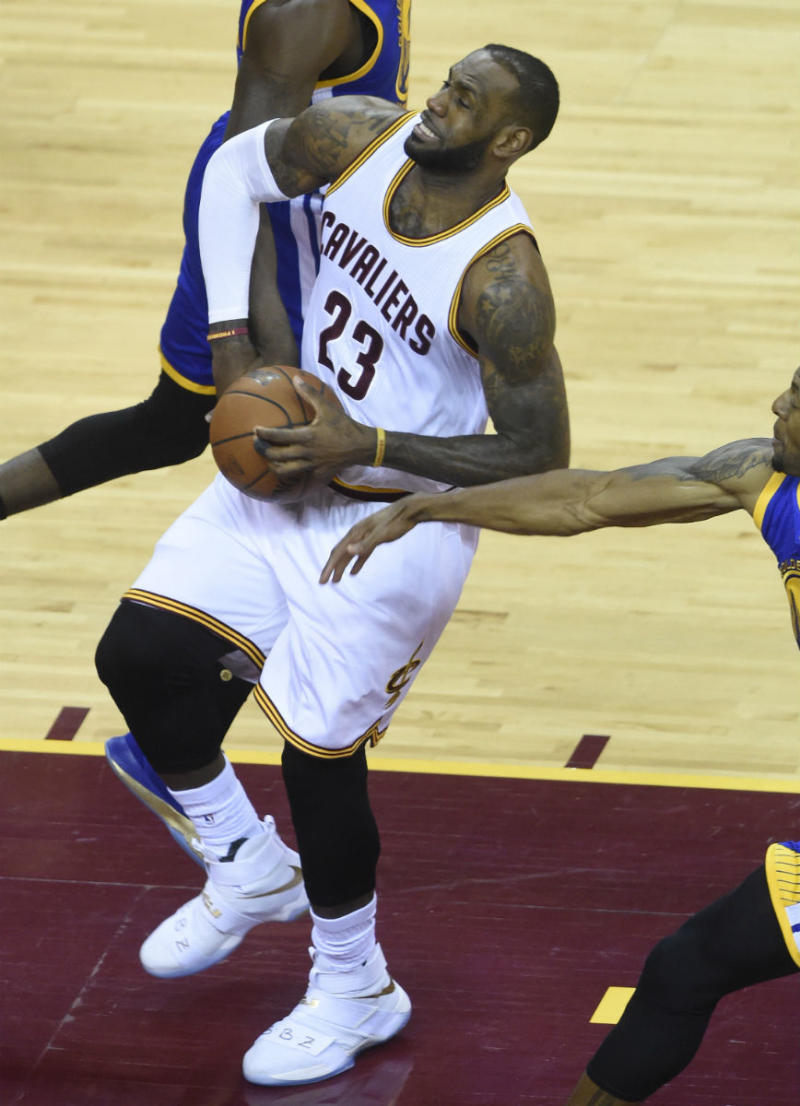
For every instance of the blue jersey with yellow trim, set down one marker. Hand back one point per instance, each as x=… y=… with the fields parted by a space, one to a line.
x=777 y=514
x=185 y=355
x=782 y=864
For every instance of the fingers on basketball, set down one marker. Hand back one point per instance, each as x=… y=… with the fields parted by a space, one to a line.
x=262 y=397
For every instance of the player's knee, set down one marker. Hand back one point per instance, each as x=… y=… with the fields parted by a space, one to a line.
x=170 y=680
x=130 y=650
x=680 y=975
x=172 y=421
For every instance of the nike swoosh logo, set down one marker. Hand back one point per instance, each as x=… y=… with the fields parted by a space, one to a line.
x=293 y=882
x=387 y=990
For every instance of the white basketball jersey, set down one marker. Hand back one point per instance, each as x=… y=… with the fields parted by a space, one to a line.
x=381 y=325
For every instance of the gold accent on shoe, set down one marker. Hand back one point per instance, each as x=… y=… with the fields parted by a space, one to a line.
x=293 y=882
x=179 y=822
x=387 y=990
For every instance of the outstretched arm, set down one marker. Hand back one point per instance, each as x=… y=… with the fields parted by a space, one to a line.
x=574 y=501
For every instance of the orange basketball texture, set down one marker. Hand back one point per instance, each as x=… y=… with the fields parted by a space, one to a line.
x=262 y=397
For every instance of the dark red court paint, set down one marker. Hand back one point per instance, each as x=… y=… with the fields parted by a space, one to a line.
x=507 y=908
x=67 y=724
x=588 y=749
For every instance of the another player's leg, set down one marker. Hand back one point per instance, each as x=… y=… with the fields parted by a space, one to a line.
x=170 y=679
x=167 y=428
x=733 y=943
x=134 y=770
x=351 y=1001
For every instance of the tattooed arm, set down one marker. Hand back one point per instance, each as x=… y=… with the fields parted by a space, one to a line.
x=506 y=313
x=290 y=157
x=320 y=143
x=574 y=501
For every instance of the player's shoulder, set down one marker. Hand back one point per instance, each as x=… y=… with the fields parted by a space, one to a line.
x=742 y=467
x=259 y=13
x=329 y=137
x=510 y=267
x=350 y=123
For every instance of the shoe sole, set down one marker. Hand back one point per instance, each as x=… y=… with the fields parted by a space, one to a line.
x=130 y=767
x=346 y=1066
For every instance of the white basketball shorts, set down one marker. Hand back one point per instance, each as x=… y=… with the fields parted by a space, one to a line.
x=336 y=660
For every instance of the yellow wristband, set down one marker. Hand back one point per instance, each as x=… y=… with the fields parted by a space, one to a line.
x=380 y=447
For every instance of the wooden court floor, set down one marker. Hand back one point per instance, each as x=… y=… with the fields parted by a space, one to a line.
x=660 y=662
x=665 y=203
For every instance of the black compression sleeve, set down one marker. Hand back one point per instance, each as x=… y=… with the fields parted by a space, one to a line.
x=733 y=943
x=167 y=428
x=337 y=836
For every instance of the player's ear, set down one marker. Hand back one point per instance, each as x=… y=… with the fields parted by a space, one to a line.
x=512 y=141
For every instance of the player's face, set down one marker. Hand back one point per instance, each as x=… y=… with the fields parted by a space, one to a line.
x=461 y=120
x=786 y=440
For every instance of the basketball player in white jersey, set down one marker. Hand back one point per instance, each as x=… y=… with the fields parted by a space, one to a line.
x=432 y=310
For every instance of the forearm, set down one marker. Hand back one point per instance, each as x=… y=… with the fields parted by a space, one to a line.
x=575 y=501
x=509 y=506
x=472 y=459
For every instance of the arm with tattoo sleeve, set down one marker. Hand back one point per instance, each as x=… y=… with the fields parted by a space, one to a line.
x=575 y=501
x=507 y=311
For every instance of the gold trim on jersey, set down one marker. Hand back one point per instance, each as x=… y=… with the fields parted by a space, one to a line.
x=366 y=10
x=164 y=603
x=367 y=491
x=246 y=24
x=765 y=495
x=430 y=239
x=401 y=83
x=783 y=878
x=360 y=6
x=369 y=150
x=183 y=381
x=373 y=734
x=452 y=317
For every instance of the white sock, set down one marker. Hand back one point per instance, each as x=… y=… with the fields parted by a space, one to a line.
x=220 y=811
x=345 y=943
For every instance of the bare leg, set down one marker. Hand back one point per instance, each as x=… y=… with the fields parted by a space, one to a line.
x=185 y=781
x=26 y=482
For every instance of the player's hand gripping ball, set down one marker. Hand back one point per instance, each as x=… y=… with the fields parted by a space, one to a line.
x=262 y=397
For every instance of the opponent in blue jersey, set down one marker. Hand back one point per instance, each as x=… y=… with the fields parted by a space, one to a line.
x=288 y=52
x=751 y=934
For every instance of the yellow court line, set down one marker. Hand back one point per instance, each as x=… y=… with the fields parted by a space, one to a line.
x=612 y=1005
x=380 y=763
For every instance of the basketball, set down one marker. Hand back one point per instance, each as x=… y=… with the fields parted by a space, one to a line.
x=262 y=397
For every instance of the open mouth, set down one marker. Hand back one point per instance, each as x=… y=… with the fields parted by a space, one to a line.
x=423 y=131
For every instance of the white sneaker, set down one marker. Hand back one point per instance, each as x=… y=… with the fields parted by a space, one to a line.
x=342 y=1014
x=263 y=883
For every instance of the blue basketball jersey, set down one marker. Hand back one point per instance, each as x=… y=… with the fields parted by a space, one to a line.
x=777 y=515
x=185 y=354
